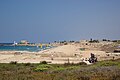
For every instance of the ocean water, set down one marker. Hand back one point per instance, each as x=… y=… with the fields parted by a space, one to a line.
x=23 y=48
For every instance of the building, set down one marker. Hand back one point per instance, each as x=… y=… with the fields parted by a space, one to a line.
x=24 y=42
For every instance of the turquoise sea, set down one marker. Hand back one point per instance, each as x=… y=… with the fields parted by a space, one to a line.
x=23 y=48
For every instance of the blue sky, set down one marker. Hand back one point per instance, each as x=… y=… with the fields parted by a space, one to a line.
x=54 y=20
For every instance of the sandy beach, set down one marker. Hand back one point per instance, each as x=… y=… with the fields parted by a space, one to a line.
x=58 y=55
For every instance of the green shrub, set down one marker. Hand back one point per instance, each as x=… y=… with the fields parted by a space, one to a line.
x=72 y=67
x=43 y=67
x=60 y=69
x=107 y=63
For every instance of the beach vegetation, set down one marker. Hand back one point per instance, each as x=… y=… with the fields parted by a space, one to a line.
x=43 y=62
x=43 y=67
x=75 y=64
x=13 y=62
x=103 y=70
x=65 y=43
x=107 y=63
x=116 y=41
x=105 y=40
x=27 y=64
x=94 y=41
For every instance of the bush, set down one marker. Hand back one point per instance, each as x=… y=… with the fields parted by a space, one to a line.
x=65 y=43
x=82 y=63
x=72 y=67
x=67 y=64
x=107 y=63
x=43 y=67
x=60 y=69
x=27 y=64
x=75 y=64
x=13 y=62
x=43 y=62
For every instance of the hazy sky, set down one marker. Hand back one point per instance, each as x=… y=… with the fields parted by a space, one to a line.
x=53 y=20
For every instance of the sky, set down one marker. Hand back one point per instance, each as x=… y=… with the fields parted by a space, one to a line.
x=58 y=20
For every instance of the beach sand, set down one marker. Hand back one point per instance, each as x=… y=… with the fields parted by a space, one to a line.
x=57 y=55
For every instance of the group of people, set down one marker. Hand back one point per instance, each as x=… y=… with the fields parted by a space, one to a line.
x=92 y=59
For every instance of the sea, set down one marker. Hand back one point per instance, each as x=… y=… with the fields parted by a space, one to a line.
x=10 y=47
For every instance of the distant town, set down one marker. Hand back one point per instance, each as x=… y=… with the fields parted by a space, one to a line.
x=27 y=43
